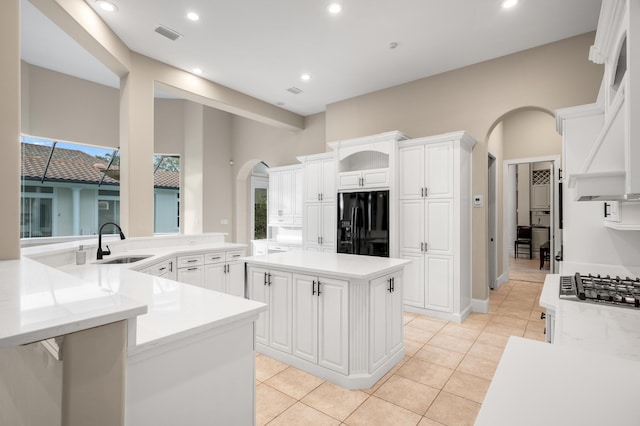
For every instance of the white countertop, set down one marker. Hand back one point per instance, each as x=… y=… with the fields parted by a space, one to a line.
x=334 y=264
x=542 y=384
x=605 y=329
x=73 y=297
x=38 y=302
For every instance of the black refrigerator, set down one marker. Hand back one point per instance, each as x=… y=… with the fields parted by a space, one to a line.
x=363 y=223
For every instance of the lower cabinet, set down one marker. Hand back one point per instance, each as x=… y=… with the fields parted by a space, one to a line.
x=191 y=269
x=273 y=327
x=429 y=282
x=320 y=318
x=223 y=272
x=165 y=269
x=386 y=332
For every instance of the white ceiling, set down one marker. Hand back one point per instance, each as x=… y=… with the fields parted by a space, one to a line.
x=262 y=47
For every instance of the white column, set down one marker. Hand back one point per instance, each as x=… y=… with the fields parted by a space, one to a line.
x=192 y=192
x=75 y=199
x=10 y=128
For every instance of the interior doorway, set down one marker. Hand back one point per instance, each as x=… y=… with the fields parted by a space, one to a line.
x=531 y=199
x=258 y=203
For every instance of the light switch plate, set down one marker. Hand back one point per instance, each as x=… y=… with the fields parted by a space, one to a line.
x=478 y=200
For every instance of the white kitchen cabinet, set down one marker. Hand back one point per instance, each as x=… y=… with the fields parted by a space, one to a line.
x=385 y=311
x=434 y=218
x=320 y=314
x=284 y=204
x=319 y=178
x=426 y=171
x=224 y=272
x=191 y=269
x=540 y=198
x=364 y=179
x=319 y=228
x=164 y=269
x=273 y=287
x=258 y=247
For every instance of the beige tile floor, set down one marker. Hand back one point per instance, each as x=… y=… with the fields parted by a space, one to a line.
x=442 y=380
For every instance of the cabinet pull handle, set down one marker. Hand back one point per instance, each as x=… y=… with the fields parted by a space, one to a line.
x=425 y=247
x=192 y=269
x=319 y=197
x=319 y=292
x=313 y=288
x=265 y=279
x=393 y=284
x=426 y=191
x=606 y=211
x=389 y=281
x=269 y=281
x=236 y=255
x=422 y=192
x=192 y=260
x=171 y=266
x=162 y=269
x=421 y=246
x=215 y=258
x=321 y=240
x=226 y=268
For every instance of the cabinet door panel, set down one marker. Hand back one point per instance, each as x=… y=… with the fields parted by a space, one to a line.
x=287 y=192
x=313 y=218
x=193 y=276
x=411 y=172
x=273 y=201
x=439 y=234
x=329 y=224
x=235 y=279
x=312 y=181
x=413 y=288
x=396 y=319
x=379 y=290
x=305 y=318
x=375 y=178
x=349 y=180
x=280 y=305
x=328 y=189
x=214 y=277
x=333 y=325
x=298 y=190
x=439 y=286
x=258 y=292
x=540 y=196
x=411 y=225
x=439 y=170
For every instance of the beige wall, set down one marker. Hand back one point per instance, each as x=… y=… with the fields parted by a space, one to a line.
x=496 y=148
x=531 y=133
x=474 y=99
x=168 y=125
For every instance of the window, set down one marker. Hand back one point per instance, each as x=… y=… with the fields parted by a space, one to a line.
x=72 y=189
x=259 y=195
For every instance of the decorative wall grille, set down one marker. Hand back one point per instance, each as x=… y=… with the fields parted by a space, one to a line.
x=541 y=177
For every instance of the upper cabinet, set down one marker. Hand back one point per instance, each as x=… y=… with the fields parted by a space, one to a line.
x=285 y=195
x=320 y=177
x=610 y=171
x=540 y=189
x=363 y=163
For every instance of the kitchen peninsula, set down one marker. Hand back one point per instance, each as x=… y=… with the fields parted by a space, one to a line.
x=336 y=316
x=190 y=356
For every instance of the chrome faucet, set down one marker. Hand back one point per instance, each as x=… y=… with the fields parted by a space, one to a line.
x=106 y=252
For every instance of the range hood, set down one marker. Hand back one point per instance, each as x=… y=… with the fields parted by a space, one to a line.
x=611 y=168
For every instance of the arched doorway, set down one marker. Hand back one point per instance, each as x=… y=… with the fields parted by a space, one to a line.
x=523 y=136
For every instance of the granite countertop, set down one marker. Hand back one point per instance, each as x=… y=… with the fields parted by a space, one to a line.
x=333 y=264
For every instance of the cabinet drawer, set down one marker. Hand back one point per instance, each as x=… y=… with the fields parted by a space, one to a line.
x=162 y=268
x=231 y=256
x=217 y=257
x=188 y=261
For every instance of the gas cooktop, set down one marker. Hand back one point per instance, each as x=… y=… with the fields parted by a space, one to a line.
x=616 y=291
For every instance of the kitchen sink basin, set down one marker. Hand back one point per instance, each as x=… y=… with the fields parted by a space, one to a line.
x=124 y=259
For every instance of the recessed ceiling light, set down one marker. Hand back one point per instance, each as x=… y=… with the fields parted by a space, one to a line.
x=197 y=71
x=305 y=77
x=506 y=4
x=192 y=16
x=335 y=8
x=107 y=5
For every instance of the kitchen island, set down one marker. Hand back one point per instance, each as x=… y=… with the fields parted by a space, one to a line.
x=336 y=316
x=190 y=356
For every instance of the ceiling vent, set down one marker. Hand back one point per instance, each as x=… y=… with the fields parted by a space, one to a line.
x=294 y=90
x=168 y=32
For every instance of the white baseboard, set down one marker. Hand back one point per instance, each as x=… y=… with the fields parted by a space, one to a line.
x=481 y=306
x=503 y=278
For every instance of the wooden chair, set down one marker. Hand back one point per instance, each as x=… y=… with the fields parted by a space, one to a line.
x=523 y=238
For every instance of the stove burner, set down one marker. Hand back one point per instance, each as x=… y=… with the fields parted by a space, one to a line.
x=601 y=289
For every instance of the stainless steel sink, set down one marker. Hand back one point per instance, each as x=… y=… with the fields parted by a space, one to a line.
x=124 y=259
